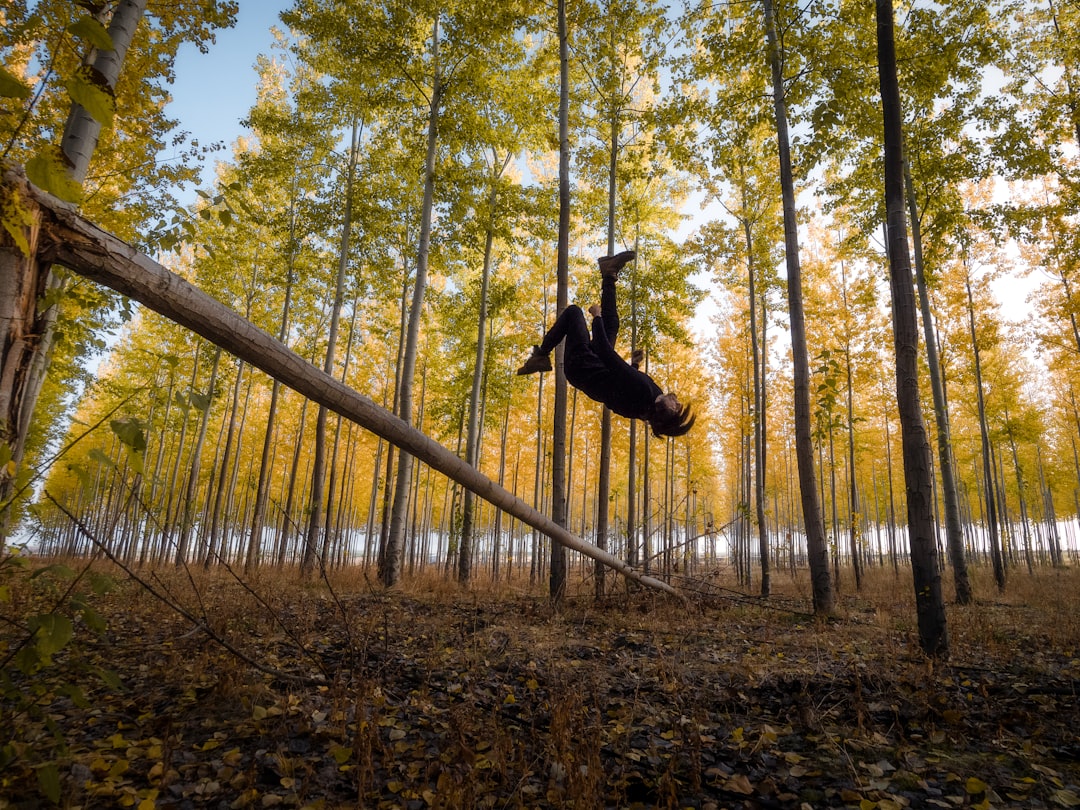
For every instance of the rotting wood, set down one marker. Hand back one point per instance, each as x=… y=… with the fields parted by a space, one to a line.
x=82 y=247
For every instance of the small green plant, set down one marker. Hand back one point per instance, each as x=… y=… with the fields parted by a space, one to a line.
x=42 y=607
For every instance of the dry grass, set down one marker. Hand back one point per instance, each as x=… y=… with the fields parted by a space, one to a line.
x=434 y=696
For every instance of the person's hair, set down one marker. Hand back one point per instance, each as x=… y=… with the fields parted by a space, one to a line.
x=672 y=424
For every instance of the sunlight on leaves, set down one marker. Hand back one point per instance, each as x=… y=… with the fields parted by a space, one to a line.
x=92 y=31
x=88 y=89
x=11 y=86
x=49 y=170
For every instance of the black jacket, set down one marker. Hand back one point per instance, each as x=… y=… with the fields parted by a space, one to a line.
x=598 y=371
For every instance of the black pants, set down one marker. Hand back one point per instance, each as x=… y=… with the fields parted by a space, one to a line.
x=571 y=325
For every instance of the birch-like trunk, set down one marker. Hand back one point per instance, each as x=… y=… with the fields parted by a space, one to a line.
x=26 y=335
x=557 y=574
x=817 y=548
x=318 y=473
x=390 y=572
x=954 y=532
x=918 y=477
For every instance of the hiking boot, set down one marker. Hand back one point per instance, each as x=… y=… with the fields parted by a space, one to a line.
x=538 y=361
x=611 y=265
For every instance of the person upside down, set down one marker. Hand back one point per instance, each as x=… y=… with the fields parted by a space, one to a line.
x=594 y=367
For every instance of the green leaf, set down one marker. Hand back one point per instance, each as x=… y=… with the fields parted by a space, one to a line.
x=130 y=430
x=90 y=30
x=11 y=86
x=16 y=219
x=28 y=660
x=50 y=170
x=94 y=94
x=100 y=584
x=97 y=455
x=110 y=678
x=51 y=633
x=48 y=777
x=83 y=475
x=58 y=570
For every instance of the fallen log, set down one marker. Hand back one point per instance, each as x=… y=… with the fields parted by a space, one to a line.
x=70 y=240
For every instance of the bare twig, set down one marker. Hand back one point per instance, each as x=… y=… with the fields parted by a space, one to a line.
x=179 y=609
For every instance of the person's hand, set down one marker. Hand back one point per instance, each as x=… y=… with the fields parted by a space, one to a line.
x=594 y=310
x=637 y=357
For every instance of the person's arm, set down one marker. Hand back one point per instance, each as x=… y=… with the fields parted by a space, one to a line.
x=601 y=344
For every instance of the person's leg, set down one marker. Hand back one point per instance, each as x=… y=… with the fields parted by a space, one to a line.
x=609 y=309
x=570 y=325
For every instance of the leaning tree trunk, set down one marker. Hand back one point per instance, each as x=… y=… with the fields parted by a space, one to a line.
x=88 y=251
x=390 y=572
x=933 y=635
x=816 y=547
x=26 y=334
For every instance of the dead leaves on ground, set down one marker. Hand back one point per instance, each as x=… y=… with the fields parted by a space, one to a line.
x=447 y=704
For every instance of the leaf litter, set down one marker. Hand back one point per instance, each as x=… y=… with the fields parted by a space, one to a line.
x=467 y=700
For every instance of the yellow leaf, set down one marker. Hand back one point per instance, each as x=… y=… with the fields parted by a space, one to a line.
x=975 y=785
x=1065 y=798
x=866 y=804
x=258 y=713
x=739 y=784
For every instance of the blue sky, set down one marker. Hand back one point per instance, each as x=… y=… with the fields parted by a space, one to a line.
x=215 y=90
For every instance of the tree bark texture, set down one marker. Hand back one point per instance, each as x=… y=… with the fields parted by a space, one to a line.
x=918 y=476
x=26 y=335
x=817 y=549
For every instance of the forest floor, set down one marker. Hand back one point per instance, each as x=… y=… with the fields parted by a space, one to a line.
x=432 y=696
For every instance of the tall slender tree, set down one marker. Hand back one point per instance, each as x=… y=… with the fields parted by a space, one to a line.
x=930 y=607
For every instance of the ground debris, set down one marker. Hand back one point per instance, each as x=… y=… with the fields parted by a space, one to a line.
x=457 y=701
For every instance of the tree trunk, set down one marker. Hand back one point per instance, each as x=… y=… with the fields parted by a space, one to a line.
x=262 y=488
x=557 y=575
x=933 y=634
x=26 y=335
x=759 y=419
x=853 y=492
x=186 y=517
x=391 y=570
x=817 y=548
x=988 y=474
x=472 y=440
x=954 y=532
x=318 y=474
x=213 y=544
